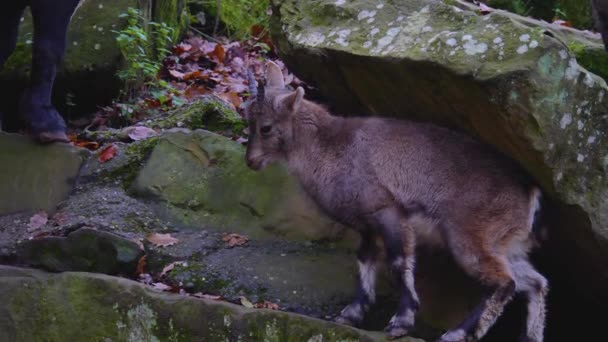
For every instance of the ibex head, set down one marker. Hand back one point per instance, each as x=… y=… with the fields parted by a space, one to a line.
x=270 y=113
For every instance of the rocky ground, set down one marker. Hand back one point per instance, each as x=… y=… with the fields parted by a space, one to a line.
x=159 y=212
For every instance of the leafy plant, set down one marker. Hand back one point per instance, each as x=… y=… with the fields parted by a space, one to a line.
x=143 y=47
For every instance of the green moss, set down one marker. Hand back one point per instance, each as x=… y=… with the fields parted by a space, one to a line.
x=136 y=154
x=209 y=113
x=592 y=58
x=20 y=61
x=174 y=13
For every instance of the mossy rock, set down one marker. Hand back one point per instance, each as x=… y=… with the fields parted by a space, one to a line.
x=85 y=249
x=39 y=306
x=36 y=177
x=209 y=113
x=200 y=179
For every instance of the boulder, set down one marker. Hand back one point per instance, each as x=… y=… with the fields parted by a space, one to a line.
x=512 y=82
x=35 y=305
x=92 y=57
x=84 y=249
x=36 y=177
x=199 y=179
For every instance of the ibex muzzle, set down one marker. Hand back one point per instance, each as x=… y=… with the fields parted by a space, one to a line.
x=408 y=184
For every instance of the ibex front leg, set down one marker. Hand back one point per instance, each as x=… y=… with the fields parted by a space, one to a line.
x=399 y=242
x=367 y=257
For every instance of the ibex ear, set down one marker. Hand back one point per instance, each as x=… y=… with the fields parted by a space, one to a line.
x=294 y=100
x=274 y=76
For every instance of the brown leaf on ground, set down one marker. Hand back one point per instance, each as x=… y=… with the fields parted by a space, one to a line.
x=561 y=22
x=161 y=240
x=233 y=239
x=137 y=133
x=195 y=91
x=139 y=242
x=38 y=220
x=236 y=85
x=219 y=53
x=485 y=9
x=194 y=75
x=181 y=48
x=145 y=278
x=232 y=98
x=91 y=145
x=141 y=264
x=60 y=218
x=162 y=287
x=207 y=296
x=177 y=74
x=245 y=302
x=267 y=305
x=171 y=266
x=107 y=154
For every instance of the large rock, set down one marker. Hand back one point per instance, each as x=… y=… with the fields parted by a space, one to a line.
x=92 y=57
x=35 y=177
x=200 y=178
x=38 y=306
x=85 y=249
x=510 y=81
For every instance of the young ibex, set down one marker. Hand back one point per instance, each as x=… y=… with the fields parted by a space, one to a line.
x=407 y=183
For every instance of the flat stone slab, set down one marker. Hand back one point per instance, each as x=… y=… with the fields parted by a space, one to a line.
x=36 y=177
x=36 y=306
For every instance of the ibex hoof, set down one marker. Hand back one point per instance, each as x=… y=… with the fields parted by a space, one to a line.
x=454 y=336
x=346 y=321
x=397 y=330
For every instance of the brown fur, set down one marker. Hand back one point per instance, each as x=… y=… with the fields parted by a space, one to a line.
x=430 y=184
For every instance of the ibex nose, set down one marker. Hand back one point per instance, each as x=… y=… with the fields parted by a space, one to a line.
x=251 y=163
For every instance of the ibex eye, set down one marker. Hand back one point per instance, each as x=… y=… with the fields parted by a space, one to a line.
x=265 y=129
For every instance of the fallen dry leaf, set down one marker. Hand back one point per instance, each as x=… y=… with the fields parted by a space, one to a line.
x=267 y=305
x=60 y=218
x=197 y=74
x=177 y=74
x=137 y=133
x=107 y=154
x=195 y=91
x=38 y=220
x=139 y=242
x=246 y=302
x=161 y=240
x=91 y=145
x=233 y=239
x=219 y=53
x=485 y=9
x=141 y=263
x=561 y=22
x=207 y=296
x=145 y=278
x=161 y=286
x=232 y=98
x=172 y=265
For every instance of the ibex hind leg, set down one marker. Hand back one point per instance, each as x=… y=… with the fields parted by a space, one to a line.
x=494 y=272
x=534 y=286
